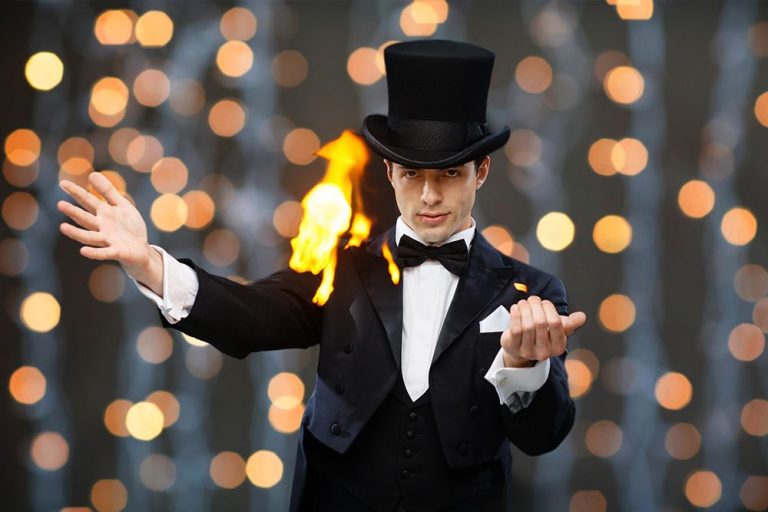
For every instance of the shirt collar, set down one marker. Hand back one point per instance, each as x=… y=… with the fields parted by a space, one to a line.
x=401 y=228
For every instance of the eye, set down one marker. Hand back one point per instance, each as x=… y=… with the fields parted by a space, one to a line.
x=409 y=173
x=453 y=173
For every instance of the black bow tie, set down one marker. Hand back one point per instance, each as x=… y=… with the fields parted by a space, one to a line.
x=453 y=255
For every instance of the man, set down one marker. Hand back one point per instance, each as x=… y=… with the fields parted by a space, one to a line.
x=420 y=386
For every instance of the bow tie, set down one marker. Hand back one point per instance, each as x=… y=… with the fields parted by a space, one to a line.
x=453 y=255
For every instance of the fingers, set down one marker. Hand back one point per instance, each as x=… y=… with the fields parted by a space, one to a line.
x=82 y=196
x=82 y=217
x=82 y=235
x=99 y=253
x=104 y=187
x=574 y=321
x=557 y=334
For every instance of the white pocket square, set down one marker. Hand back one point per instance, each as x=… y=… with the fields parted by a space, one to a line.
x=496 y=321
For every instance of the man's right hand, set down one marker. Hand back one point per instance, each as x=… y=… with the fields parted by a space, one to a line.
x=111 y=230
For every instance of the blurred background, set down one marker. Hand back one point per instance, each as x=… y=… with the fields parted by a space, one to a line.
x=635 y=172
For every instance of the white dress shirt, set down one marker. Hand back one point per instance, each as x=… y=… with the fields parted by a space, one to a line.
x=427 y=292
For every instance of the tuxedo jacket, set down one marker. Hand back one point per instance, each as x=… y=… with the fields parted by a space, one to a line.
x=359 y=333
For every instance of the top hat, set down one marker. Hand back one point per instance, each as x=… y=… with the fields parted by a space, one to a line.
x=438 y=91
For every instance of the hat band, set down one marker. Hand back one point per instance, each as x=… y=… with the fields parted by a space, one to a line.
x=434 y=135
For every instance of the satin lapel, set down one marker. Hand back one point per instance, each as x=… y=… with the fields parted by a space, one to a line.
x=484 y=278
x=386 y=297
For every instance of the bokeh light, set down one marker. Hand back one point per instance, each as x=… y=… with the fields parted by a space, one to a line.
x=588 y=501
x=533 y=74
x=107 y=282
x=746 y=342
x=169 y=175
x=754 y=417
x=168 y=212
x=286 y=390
x=696 y=199
x=238 y=23
x=555 y=231
x=287 y=218
x=226 y=118
x=703 y=488
x=616 y=313
x=154 y=345
x=500 y=238
x=22 y=147
x=109 y=495
x=200 y=209
x=227 y=470
x=739 y=226
x=168 y=405
x=144 y=421
x=27 y=385
x=523 y=148
x=754 y=492
x=44 y=70
x=612 y=234
x=154 y=28
x=289 y=68
x=673 y=390
x=115 y=27
x=604 y=438
x=234 y=58
x=40 y=312
x=624 y=84
x=115 y=417
x=49 y=451
x=264 y=468
x=221 y=247
x=362 y=66
x=157 y=472
x=299 y=146
x=19 y=210
x=682 y=441
x=151 y=87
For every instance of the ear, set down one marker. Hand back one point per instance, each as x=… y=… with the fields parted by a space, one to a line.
x=389 y=171
x=482 y=171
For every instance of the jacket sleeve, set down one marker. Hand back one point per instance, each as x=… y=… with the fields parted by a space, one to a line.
x=273 y=313
x=543 y=424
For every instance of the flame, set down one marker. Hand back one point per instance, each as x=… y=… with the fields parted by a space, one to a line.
x=328 y=209
x=394 y=270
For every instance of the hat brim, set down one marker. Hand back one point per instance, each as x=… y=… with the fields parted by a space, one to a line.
x=375 y=132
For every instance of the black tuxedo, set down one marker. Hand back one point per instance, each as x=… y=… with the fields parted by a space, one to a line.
x=359 y=331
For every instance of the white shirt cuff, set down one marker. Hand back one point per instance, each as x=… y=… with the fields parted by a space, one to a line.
x=180 y=287
x=515 y=386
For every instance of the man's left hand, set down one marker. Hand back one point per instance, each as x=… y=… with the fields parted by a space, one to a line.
x=537 y=332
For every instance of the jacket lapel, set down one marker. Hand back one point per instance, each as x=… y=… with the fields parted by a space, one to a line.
x=386 y=297
x=485 y=276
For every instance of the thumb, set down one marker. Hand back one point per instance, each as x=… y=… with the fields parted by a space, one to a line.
x=573 y=321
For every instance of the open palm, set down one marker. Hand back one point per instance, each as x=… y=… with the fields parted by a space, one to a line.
x=111 y=229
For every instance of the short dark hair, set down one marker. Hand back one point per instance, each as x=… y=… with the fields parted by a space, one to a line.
x=479 y=160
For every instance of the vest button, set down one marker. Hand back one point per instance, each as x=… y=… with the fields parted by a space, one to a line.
x=348 y=348
x=405 y=473
x=413 y=416
x=464 y=449
x=335 y=429
x=410 y=434
x=408 y=453
x=474 y=410
x=340 y=388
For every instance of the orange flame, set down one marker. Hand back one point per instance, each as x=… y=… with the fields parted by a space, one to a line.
x=328 y=212
x=394 y=270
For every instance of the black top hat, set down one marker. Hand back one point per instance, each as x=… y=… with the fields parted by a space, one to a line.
x=438 y=91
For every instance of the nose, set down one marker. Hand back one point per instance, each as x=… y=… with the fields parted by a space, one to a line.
x=430 y=193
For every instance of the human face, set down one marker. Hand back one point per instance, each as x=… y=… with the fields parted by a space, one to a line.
x=436 y=203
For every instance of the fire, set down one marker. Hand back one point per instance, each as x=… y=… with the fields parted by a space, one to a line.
x=328 y=214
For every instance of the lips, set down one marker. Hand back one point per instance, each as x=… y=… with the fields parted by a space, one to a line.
x=433 y=218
